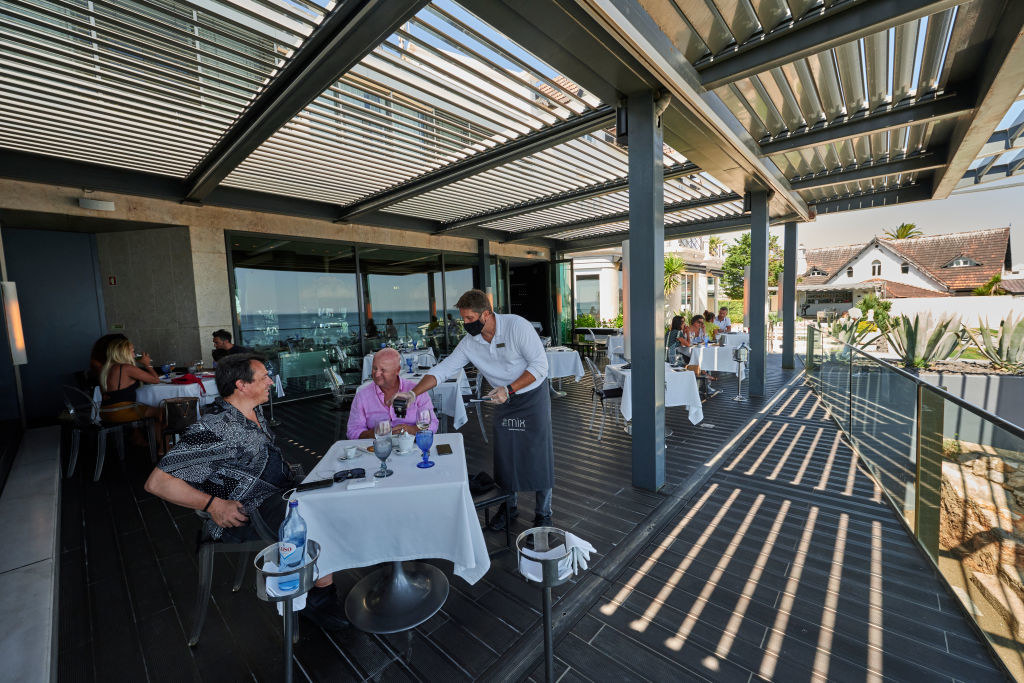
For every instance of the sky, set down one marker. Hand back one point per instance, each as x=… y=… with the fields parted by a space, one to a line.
x=992 y=208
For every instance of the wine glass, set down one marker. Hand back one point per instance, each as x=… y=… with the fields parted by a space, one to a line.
x=382 y=449
x=166 y=368
x=382 y=429
x=199 y=365
x=171 y=363
x=408 y=362
x=423 y=420
x=425 y=439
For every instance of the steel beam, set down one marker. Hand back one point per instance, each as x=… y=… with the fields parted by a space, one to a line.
x=757 y=293
x=558 y=199
x=344 y=37
x=923 y=111
x=646 y=291
x=608 y=218
x=787 y=309
x=819 y=30
x=484 y=269
x=922 y=162
x=917 y=192
x=672 y=231
x=505 y=153
x=982 y=175
x=1010 y=138
x=1000 y=80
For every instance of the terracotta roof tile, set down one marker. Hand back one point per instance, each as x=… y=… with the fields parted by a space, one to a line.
x=828 y=259
x=898 y=290
x=1014 y=286
x=987 y=247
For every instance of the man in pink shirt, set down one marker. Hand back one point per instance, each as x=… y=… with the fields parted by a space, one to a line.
x=370 y=405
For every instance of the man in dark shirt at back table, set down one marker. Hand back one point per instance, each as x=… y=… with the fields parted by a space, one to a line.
x=228 y=465
x=222 y=345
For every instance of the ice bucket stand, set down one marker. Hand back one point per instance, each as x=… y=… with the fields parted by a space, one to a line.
x=306 y=574
x=542 y=539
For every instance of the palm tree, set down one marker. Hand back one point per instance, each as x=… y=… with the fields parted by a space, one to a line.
x=715 y=245
x=674 y=269
x=905 y=231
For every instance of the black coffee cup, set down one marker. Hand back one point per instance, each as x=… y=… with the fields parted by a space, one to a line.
x=400 y=405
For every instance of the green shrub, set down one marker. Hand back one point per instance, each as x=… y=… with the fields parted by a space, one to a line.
x=585 y=320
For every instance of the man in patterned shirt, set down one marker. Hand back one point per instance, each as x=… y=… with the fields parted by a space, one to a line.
x=228 y=465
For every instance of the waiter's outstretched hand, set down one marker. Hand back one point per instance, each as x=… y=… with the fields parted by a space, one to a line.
x=498 y=394
x=409 y=397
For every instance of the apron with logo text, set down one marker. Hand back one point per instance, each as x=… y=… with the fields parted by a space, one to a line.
x=523 y=446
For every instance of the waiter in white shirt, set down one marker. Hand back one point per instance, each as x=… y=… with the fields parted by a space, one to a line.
x=507 y=350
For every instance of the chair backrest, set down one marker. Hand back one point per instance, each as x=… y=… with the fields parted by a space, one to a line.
x=695 y=369
x=479 y=384
x=592 y=366
x=591 y=336
x=80 y=406
x=180 y=412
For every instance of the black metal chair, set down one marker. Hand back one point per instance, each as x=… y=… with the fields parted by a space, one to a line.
x=484 y=502
x=85 y=415
x=179 y=413
x=478 y=407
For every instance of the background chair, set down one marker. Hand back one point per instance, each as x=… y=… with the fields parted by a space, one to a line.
x=179 y=413
x=478 y=407
x=86 y=415
x=341 y=393
x=608 y=398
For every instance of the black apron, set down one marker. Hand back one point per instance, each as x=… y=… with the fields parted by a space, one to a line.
x=524 y=457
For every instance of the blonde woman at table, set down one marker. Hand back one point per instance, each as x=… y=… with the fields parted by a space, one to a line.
x=120 y=377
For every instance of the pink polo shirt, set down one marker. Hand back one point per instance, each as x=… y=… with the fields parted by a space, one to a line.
x=368 y=409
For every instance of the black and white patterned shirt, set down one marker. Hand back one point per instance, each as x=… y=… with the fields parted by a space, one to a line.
x=226 y=455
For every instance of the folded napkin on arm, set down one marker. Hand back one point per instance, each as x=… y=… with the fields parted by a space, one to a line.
x=575 y=560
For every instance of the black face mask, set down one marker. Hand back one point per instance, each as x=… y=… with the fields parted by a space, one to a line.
x=474 y=328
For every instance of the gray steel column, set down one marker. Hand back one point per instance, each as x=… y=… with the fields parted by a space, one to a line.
x=757 y=317
x=484 y=256
x=787 y=311
x=646 y=290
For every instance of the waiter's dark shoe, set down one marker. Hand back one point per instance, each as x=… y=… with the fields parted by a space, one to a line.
x=324 y=609
x=497 y=522
x=541 y=520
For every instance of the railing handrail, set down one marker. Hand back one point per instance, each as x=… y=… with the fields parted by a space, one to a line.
x=1016 y=430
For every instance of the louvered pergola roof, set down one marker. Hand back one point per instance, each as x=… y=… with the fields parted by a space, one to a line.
x=496 y=119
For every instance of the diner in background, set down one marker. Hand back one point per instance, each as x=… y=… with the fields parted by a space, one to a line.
x=98 y=356
x=389 y=329
x=119 y=380
x=228 y=465
x=222 y=345
x=722 y=322
x=510 y=355
x=672 y=339
x=372 y=402
x=371 y=328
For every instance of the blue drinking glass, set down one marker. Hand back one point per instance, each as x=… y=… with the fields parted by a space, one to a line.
x=166 y=367
x=408 y=362
x=425 y=439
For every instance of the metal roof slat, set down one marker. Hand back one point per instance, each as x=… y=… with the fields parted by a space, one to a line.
x=801 y=84
x=876 y=60
x=851 y=75
x=823 y=69
x=936 y=38
x=740 y=17
x=743 y=112
x=904 y=55
x=709 y=25
x=776 y=87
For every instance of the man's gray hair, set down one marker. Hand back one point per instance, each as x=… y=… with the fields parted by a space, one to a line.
x=384 y=353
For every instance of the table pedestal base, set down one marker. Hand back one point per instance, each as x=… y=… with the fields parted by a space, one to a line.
x=396 y=598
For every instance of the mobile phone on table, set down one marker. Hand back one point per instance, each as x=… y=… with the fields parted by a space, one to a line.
x=313 y=485
x=444 y=449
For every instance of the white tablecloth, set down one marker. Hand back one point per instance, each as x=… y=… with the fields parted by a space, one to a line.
x=680 y=390
x=152 y=394
x=449 y=396
x=716 y=359
x=734 y=339
x=416 y=361
x=617 y=349
x=565 y=363
x=414 y=514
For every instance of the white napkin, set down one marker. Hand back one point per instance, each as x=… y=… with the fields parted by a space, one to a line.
x=361 y=484
x=299 y=601
x=575 y=561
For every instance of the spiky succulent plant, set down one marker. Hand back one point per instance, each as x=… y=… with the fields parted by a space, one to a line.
x=1005 y=349
x=920 y=342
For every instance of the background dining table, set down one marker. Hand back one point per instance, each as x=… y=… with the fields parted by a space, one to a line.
x=714 y=358
x=420 y=358
x=680 y=390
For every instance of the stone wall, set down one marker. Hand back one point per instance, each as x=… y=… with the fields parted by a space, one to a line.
x=154 y=299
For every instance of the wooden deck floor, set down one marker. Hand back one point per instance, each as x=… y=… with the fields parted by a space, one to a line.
x=129 y=574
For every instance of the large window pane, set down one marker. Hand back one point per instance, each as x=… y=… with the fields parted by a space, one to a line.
x=458 y=279
x=402 y=298
x=296 y=303
x=588 y=295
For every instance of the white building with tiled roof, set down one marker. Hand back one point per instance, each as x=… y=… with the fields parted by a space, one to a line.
x=954 y=264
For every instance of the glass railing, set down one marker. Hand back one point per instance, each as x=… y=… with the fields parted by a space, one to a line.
x=953 y=471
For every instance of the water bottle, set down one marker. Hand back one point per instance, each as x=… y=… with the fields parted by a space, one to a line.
x=291 y=546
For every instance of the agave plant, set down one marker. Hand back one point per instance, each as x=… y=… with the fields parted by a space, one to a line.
x=1005 y=350
x=854 y=332
x=920 y=342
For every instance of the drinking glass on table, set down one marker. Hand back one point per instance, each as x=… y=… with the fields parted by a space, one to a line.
x=425 y=439
x=382 y=449
x=382 y=429
x=171 y=364
x=423 y=420
x=408 y=362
